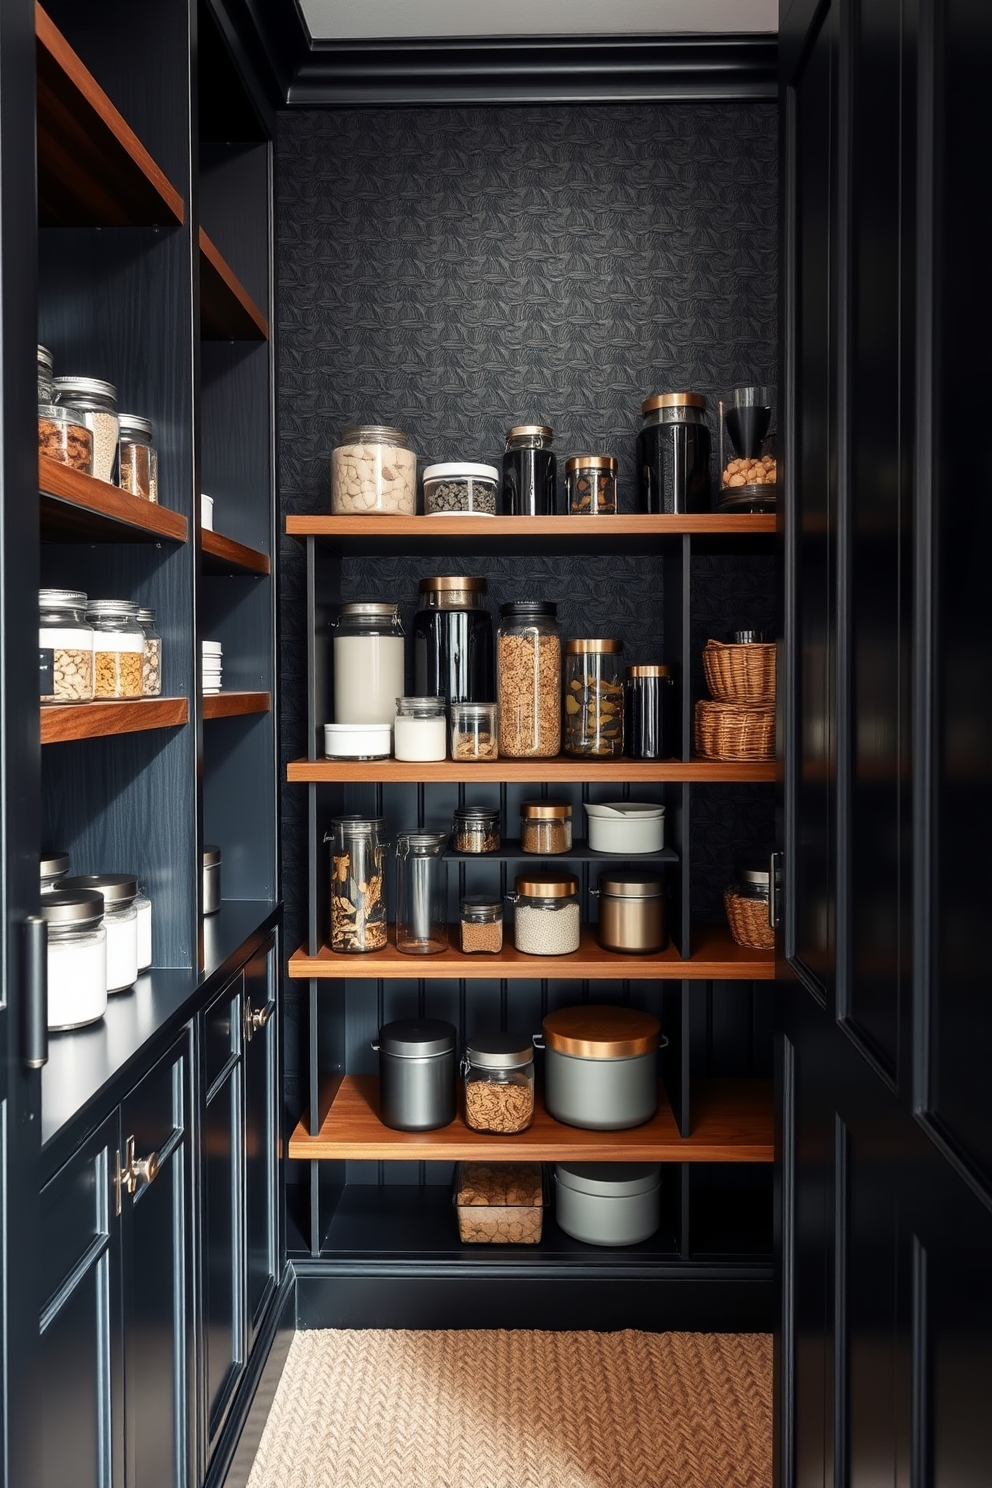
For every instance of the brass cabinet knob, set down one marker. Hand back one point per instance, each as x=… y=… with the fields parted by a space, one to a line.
x=145 y=1169
x=260 y=1017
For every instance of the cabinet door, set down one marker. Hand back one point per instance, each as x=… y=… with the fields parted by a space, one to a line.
x=157 y=1269
x=261 y=1145
x=80 y=1400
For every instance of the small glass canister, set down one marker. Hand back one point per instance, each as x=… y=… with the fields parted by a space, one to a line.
x=481 y=925
x=118 y=647
x=139 y=457
x=475 y=829
x=545 y=827
x=529 y=471
x=498 y=1070
x=46 y=369
x=420 y=729
x=474 y=731
x=77 y=958
x=120 y=920
x=358 y=899
x=528 y=679
x=373 y=473
x=460 y=490
x=97 y=402
x=547 y=918
x=54 y=868
x=594 y=698
x=592 y=485
x=151 y=657
x=62 y=436
x=649 y=730
x=65 y=641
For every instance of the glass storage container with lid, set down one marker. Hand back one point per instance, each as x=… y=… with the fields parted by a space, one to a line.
x=528 y=679
x=453 y=639
x=151 y=656
x=120 y=920
x=96 y=400
x=475 y=829
x=139 y=457
x=460 y=490
x=591 y=481
x=649 y=727
x=369 y=667
x=65 y=640
x=358 y=896
x=62 y=436
x=747 y=902
x=498 y=1071
x=474 y=733
x=481 y=925
x=546 y=918
x=46 y=368
x=54 y=867
x=420 y=730
x=545 y=826
x=593 y=704
x=673 y=454
x=77 y=957
x=421 y=893
x=118 y=648
x=529 y=471
x=373 y=473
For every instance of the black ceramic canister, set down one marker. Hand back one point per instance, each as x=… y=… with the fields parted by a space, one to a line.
x=673 y=454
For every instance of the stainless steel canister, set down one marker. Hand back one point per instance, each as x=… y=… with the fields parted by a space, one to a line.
x=608 y=1203
x=211 y=878
x=632 y=912
x=416 y=1074
x=601 y=1066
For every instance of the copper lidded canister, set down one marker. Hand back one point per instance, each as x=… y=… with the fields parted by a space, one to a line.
x=601 y=1066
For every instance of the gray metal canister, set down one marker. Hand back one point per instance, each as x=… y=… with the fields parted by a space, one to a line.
x=608 y=1203
x=601 y=1066
x=416 y=1074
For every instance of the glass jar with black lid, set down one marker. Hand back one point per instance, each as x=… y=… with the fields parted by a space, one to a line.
x=649 y=728
x=453 y=640
x=673 y=454
x=529 y=471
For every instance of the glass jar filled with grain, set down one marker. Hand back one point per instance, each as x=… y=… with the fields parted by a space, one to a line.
x=118 y=648
x=66 y=644
x=475 y=829
x=96 y=402
x=498 y=1070
x=546 y=918
x=545 y=826
x=139 y=457
x=481 y=925
x=594 y=698
x=151 y=659
x=473 y=731
x=528 y=673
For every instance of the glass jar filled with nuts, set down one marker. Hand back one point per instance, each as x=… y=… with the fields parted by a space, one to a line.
x=118 y=648
x=65 y=641
x=591 y=481
x=594 y=698
x=498 y=1070
x=151 y=659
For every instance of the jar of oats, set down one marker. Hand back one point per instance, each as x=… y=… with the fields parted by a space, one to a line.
x=66 y=644
x=151 y=658
x=118 y=648
x=373 y=473
x=528 y=679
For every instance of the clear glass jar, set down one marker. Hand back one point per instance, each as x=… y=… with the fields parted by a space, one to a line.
x=62 y=437
x=673 y=454
x=139 y=457
x=474 y=733
x=66 y=642
x=358 y=894
x=151 y=656
x=373 y=472
x=481 y=925
x=591 y=481
x=120 y=920
x=593 y=704
x=546 y=919
x=54 y=868
x=459 y=490
x=453 y=639
x=421 y=893
x=143 y=909
x=545 y=827
x=118 y=648
x=475 y=829
x=529 y=471
x=46 y=369
x=498 y=1070
x=528 y=672
x=97 y=402
x=649 y=726
x=420 y=730
x=77 y=958
x=369 y=653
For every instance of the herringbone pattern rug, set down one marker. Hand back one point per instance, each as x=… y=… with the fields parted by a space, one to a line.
x=390 y=1409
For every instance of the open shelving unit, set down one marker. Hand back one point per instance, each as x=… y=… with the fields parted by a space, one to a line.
x=62 y=722
x=76 y=507
x=236 y=704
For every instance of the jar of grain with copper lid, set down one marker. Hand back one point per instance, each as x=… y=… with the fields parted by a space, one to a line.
x=545 y=827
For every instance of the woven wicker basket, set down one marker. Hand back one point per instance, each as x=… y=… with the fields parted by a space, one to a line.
x=748 y=921
x=740 y=674
x=725 y=731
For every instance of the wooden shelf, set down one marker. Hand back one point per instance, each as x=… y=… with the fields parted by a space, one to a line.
x=633 y=528
x=227 y=310
x=222 y=555
x=715 y=957
x=733 y=1123
x=92 y=168
x=61 y=722
x=78 y=508
x=560 y=770
x=235 y=704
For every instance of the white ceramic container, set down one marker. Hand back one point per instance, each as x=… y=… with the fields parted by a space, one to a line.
x=626 y=827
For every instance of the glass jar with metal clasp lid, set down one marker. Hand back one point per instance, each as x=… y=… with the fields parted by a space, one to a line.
x=421 y=893
x=120 y=919
x=546 y=917
x=529 y=471
x=369 y=651
x=475 y=829
x=77 y=957
x=498 y=1076
x=65 y=642
x=139 y=457
x=118 y=648
x=358 y=895
x=373 y=473
x=673 y=454
x=96 y=401
x=481 y=925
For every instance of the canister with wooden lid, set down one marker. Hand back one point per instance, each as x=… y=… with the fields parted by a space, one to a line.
x=601 y=1066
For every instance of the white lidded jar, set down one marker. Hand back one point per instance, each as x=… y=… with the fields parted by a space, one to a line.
x=77 y=957
x=120 y=920
x=368 y=663
x=420 y=730
x=65 y=641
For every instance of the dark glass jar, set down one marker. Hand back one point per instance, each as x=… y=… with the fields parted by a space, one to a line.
x=453 y=641
x=673 y=454
x=529 y=472
x=649 y=713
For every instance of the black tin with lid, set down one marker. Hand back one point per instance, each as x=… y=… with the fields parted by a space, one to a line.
x=453 y=645
x=529 y=471
x=416 y=1074
x=673 y=454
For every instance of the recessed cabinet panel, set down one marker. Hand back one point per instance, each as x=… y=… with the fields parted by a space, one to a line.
x=260 y=1189
x=221 y=1034
x=222 y=1165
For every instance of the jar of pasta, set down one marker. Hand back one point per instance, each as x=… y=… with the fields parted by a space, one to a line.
x=594 y=698
x=118 y=647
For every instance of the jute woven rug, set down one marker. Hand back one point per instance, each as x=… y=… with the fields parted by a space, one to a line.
x=390 y=1409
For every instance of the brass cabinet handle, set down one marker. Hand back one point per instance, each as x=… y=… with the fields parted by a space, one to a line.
x=255 y=1019
x=137 y=1170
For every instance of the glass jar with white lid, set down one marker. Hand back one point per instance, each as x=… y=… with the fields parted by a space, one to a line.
x=77 y=957
x=118 y=648
x=96 y=401
x=120 y=920
x=65 y=639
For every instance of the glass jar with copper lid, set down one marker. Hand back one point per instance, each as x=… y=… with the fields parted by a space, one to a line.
x=529 y=471
x=591 y=481
x=547 y=918
x=649 y=724
x=453 y=640
x=601 y=1066
x=593 y=706
x=673 y=454
x=545 y=826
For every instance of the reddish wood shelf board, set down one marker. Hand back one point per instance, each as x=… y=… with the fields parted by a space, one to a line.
x=391 y=771
x=236 y=704
x=715 y=957
x=222 y=555
x=78 y=508
x=594 y=528
x=92 y=168
x=227 y=310
x=733 y=1122
x=62 y=722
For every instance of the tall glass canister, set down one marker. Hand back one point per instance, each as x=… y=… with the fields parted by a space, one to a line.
x=421 y=893
x=368 y=663
x=358 y=897
x=528 y=679
x=594 y=697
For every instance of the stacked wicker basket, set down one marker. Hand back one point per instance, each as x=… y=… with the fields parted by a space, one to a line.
x=739 y=723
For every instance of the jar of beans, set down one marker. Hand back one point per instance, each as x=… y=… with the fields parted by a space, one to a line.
x=498 y=1070
x=373 y=473
x=594 y=698
x=475 y=829
x=118 y=647
x=591 y=481
x=546 y=920
x=545 y=826
x=481 y=925
x=528 y=679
